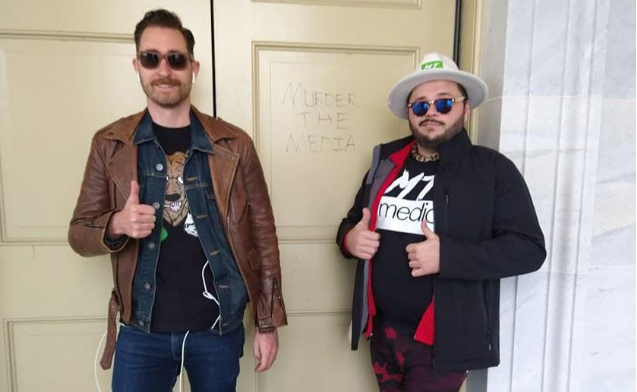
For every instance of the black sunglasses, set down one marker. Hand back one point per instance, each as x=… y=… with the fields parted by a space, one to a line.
x=443 y=105
x=176 y=60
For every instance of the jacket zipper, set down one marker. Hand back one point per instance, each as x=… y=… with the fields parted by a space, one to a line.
x=275 y=291
x=446 y=231
x=446 y=211
x=275 y=288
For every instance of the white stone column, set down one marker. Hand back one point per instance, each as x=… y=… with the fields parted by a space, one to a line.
x=562 y=107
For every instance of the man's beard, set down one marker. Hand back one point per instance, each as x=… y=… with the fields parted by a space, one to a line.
x=427 y=141
x=167 y=100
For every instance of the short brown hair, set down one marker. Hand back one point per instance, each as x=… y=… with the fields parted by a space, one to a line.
x=166 y=19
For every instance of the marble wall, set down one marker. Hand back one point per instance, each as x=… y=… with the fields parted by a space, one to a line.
x=562 y=107
x=608 y=358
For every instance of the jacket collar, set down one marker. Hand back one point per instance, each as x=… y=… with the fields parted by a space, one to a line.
x=450 y=151
x=401 y=155
x=215 y=129
x=205 y=129
x=199 y=141
x=455 y=148
x=144 y=131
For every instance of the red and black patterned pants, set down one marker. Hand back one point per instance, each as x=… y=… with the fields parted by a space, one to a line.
x=402 y=364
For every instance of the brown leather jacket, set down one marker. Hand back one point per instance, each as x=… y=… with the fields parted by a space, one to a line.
x=242 y=200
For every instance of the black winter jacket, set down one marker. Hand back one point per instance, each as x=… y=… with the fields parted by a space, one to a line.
x=488 y=230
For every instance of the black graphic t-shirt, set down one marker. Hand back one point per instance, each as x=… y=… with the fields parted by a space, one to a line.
x=182 y=270
x=401 y=298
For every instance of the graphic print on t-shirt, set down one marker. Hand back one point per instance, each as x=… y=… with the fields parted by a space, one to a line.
x=189 y=226
x=176 y=203
x=406 y=203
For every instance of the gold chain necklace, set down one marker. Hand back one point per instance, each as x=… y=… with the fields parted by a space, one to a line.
x=416 y=155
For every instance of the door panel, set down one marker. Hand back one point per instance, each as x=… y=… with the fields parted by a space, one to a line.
x=316 y=110
x=38 y=122
x=65 y=72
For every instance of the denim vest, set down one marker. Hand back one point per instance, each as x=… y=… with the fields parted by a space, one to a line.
x=151 y=165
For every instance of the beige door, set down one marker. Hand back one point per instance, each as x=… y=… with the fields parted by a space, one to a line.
x=309 y=81
x=65 y=72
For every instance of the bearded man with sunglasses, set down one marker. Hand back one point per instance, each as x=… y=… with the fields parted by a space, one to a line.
x=436 y=223
x=179 y=200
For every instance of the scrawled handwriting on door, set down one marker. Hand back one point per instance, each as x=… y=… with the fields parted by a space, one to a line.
x=321 y=120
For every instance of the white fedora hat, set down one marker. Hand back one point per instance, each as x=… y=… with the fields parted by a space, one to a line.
x=435 y=66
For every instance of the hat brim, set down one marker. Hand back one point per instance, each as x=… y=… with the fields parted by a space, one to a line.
x=476 y=89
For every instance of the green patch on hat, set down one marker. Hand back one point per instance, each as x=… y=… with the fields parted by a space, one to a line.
x=431 y=65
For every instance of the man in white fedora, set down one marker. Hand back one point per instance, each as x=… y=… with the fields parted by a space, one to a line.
x=436 y=223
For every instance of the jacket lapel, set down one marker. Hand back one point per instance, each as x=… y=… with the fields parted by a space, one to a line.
x=123 y=168
x=223 y=166
x=123 y=164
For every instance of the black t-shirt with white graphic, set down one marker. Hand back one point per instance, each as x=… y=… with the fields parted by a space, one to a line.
x=401 y=298
x=182 y=265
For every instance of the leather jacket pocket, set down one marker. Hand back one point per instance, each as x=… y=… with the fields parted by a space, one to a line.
x=254 y=260
x=240 y=214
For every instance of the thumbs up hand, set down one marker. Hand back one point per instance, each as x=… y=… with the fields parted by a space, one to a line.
x=134 y=220
x=360 y=241
x=424 y=257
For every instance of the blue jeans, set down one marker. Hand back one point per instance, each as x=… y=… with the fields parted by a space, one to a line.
x=151 y=362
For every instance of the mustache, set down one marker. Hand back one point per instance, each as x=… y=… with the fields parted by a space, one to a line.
x=430 y=120
x=168 y=81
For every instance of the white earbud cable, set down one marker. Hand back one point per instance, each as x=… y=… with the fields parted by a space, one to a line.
x=183 y=352
x=208 y=294
x=97 y=353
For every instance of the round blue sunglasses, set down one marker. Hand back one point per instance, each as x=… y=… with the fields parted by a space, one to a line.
x=443 y=105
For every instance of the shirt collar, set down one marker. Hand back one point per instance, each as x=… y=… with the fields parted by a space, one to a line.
x=199 y=140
